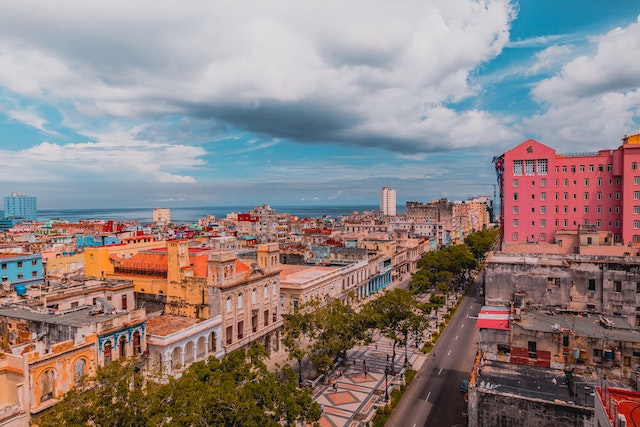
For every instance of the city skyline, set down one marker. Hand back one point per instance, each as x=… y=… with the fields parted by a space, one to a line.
x=153 y=104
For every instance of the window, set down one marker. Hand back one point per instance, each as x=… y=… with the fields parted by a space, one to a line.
x=46 y=385
x=637 y=289
x=517 y=167
x=636 y=180
x=566 y=182
x=636 y=210
x=636 y=224
x=617 y=195
x=34 y=262
x=239 y=300
x=514 y=236
x=265 y=293
x=557 y=196
x=600 y=168
x=543 y=209
x=254 y=296
x=599 y=195
x=543 y=236
x=533 y=183
x=590 y=168
x=78 y=370
x=617 y=286
x=531 y=347
x=74 y=304
x=592 y=285
x=515 y=196
x=4 y=266
x=274 y=288
x=586 y=195
x=19 y=264
x=556 y=210
x=543 y=182
x=617 y=209
x=565 y=223
x=565 y=196
x=564 y=169
x=516 y=183
x=573 y=168
x=515 y=209
x=228 y=304
x=533 y=197
x=533 y=210
x=557 y=182
x=617 y=181
x=241 y=329
x=20 y=276
x=589 y=240
x=586 y=182
x=609 y=168
x=543 y=223
x=34 y=274
x=543 y=196
x=586 y=209
x=124 y=302
x=295 y=302
x=634 y=165
x=636 y=195
x=529 y=167
x=542 y=166
x=515 y=222
x=581 y=168
x=565 y=209
x=598 y=223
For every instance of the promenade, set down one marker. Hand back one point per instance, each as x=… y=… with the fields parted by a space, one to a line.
x=357 y=395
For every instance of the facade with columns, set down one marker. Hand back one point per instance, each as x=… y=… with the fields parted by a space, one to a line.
x=175 y=342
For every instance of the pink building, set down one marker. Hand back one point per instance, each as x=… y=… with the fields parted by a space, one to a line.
x=543 y=192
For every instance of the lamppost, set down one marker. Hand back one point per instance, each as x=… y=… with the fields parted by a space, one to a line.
x=386 y=384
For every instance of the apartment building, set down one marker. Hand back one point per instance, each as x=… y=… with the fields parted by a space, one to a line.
x=388 y=201
x=543 y=192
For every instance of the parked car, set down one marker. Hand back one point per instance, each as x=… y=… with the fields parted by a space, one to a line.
x=464 y=385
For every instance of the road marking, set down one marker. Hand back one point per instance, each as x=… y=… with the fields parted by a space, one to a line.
x=426 y=399
x=449 y=354
x=462 y=326
x=456 y=338
x=440 y=371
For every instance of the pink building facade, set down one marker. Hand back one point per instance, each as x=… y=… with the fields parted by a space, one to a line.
x=543 y=192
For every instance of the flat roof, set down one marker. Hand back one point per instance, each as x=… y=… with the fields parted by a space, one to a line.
x=586 y=325
x=76 y=318
x=167 y=324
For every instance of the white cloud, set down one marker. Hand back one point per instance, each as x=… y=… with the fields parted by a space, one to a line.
x=594 y=100
x=361 y=70
x=120 y=158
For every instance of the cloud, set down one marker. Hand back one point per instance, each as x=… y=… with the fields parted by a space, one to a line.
x=117 y=157
x=31 y=118
x=360 y=73
x=594 y=100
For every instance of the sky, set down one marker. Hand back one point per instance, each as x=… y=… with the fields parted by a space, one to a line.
x=157 y=103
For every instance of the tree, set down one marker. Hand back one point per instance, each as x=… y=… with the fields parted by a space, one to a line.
x=237 y=390
x=390 y=314
x=481 y=242
x=295 y=331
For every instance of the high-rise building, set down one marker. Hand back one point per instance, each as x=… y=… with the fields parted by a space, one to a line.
x=542 y=192
x=162 y=216
x=388 y=201
x=20 y=206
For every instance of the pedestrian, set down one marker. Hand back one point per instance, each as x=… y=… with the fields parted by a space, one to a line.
x=376 y=346
x=387 y=357
x=365 y=371
x=322 y=407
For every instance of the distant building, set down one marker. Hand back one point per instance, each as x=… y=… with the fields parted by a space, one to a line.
x=20 y=206
x=388 y=201
x=161 y=216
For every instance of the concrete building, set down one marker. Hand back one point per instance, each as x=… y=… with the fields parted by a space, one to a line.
x=543 y=192
x=388 y=201
x=20 y=270
x=161 y=216
x=20 y=206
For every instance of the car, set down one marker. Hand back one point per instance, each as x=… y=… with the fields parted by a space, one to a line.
x=464 y=385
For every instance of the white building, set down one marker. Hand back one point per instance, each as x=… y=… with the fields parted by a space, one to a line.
x=388 y=201
x=161 y=216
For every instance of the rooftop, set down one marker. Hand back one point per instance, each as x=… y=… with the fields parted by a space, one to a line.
x=168 y=324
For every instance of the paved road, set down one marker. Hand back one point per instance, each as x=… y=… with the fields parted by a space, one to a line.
x=434 y=398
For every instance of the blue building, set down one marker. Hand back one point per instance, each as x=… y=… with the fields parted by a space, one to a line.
x=24 y=269
x=20 y=206
x=90 y=240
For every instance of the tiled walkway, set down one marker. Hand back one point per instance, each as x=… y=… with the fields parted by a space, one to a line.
x=357 y=393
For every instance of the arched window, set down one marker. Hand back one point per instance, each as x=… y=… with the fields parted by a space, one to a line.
x=228 y=304
x=107 y=352
x=274 y=288
x=122 y=343
x=79 y=370
x=239 y=300
x=137 y=348
x=265 y=294
x=213 y=343
x=46 y=385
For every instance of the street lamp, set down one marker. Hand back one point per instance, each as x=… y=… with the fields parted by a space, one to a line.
x=386 y=384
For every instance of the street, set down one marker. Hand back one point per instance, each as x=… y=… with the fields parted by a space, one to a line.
x=434 y=397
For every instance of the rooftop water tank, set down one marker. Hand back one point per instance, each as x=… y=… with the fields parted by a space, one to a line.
x=21 y=290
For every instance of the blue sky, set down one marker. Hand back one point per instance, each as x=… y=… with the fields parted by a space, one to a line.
x=156 y=103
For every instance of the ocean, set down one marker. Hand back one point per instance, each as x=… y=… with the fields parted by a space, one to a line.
x=188 y=215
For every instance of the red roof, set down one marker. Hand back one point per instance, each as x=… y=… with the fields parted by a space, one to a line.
x=493 y=318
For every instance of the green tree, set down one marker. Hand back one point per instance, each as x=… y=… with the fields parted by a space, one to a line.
x=296 y=329
x=481 y=242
